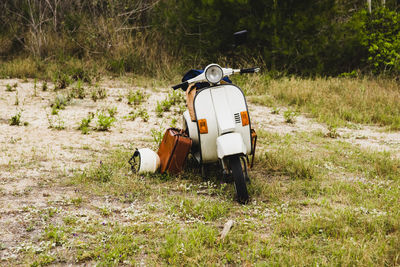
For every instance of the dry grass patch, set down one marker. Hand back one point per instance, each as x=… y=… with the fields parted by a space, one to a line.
x=335 y=101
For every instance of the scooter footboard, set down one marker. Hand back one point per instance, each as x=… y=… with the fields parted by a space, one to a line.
x=230 y=144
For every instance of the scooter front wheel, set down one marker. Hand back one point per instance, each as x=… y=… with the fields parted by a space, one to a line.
x=238 y=176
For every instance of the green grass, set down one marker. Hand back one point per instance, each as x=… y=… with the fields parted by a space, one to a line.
x=315 y=200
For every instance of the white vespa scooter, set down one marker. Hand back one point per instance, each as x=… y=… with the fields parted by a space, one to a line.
x=218 y=122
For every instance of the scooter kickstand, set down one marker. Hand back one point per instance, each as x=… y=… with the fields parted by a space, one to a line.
x=203 y=172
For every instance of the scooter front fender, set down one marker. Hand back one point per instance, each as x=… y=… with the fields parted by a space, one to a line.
x=230 y=144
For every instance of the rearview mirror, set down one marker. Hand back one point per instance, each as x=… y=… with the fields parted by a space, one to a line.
x=240 y=37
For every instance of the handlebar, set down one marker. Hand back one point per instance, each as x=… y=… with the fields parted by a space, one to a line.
x=181 y=85
x=225 y=72
x=250 y=70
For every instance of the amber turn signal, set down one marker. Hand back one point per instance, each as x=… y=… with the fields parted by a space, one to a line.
x=245 y=118
x=203 y=126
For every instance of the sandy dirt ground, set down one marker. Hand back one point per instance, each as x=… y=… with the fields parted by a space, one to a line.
x=34 y=159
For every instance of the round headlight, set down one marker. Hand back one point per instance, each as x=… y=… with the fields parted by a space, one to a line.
x=214 y=74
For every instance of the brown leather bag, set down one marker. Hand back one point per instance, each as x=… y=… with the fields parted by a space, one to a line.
x=174 y=149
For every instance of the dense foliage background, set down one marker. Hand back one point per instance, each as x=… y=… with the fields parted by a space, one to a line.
x=313 y=37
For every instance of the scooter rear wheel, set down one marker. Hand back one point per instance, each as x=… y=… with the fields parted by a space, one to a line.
x=238 y=176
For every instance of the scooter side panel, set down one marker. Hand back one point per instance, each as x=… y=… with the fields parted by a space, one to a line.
x=204 y=110
x=237 y=104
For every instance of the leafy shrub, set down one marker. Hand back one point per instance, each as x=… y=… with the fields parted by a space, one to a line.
x=381 y=36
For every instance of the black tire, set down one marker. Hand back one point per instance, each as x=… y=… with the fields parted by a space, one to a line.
x=238 y=176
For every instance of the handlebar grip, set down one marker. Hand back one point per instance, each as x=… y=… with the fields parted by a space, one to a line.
x=250 y=70
x=181 y=85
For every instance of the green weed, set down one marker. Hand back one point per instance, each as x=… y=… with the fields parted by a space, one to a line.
x=84 y=127
x=16 y=102
x=275 y=110
x=60 y=102
x=44 y=86
x=112 y=111
x=332 y=132
x=290 y=116
x=173 y=123
x=61 y=80
x=163 y=106
x=56 y=123
x=104 y=122
x=43 y=260
x=144 y=115
x=77 y=202
x=176 y=97
x=136 y=97
x=16 y=119
x=102 y=172
x=78 y=91
x=157 y=135
x=54 y=234
x=98 y=93
x=10 y=88
x=35 y=87
x=172 y=99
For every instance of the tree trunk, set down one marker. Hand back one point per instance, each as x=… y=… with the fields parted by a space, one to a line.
x=369 y=6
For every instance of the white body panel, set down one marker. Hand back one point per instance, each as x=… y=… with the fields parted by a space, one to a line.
x=225 y=120
x=220 y=106
x=204 y=109
x=230 y=144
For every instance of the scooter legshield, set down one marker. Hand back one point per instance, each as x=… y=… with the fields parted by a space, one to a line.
x=230 y=144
